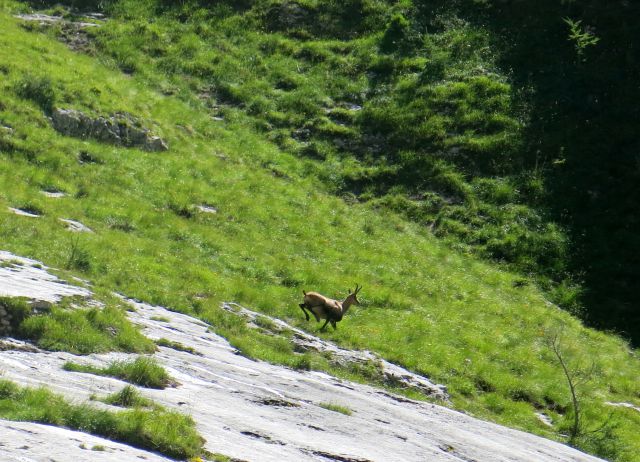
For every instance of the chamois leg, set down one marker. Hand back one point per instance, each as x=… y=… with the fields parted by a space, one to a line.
x=302 y=307
x=333 y=323
x=325 y=325
x=315 y=315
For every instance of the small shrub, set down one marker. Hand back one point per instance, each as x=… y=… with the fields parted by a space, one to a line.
x=120 y=223
x=160 y=318
x=85 y=157
x=84 y=331
x=399 y=36
x=163 y=342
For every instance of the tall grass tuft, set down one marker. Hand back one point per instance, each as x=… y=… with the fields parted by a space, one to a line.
x=84 y=331
x=143 y=371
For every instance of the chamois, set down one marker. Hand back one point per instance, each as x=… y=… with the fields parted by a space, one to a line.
x=326 y=308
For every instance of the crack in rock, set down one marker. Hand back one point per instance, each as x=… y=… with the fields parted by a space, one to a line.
x=339 y=458
x=451 y=450
x=276 y=402
x=260 y=436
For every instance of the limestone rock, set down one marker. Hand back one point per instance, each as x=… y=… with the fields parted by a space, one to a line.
x=76 y=226
x=119 y=129
x=24 y=213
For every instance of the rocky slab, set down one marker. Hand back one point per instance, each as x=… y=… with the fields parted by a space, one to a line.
x=254 y=411
x=23 y=277
x=31 y=442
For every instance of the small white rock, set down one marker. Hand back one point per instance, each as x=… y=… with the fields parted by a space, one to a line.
x=207 y=208
x=53 y=194
x=76 y=226
x=23 y=213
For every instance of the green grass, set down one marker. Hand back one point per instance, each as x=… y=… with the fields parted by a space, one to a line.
x=163 y=342
x=129 y=396
x=279 y=229
x=167 y=432
x=143 y=371
x=160 y=318
x=84 y=331
x=336 y=408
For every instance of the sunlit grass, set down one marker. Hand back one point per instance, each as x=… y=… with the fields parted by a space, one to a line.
x=167 y=432
x=336 y=408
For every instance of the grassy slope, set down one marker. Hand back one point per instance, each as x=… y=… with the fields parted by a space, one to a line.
x=449 y=316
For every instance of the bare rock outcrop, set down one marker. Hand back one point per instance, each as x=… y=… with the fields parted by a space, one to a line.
x=29 y=279
x=120 y=129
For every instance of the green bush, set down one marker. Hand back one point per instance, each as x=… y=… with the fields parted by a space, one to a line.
x=399 y=36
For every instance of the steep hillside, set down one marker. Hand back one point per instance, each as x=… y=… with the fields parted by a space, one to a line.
x=233 y=211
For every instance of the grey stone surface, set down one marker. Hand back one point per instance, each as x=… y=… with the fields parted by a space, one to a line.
x=23 y=213
x=119 y=129
x=76 y=226
x=23 y=277
x=46 y=19
x=53 y=194
x=31 y=442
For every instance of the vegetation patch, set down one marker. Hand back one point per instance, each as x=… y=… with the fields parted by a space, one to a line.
x=163 y=342
x=78 y=330
x=143 y=371
x=127 y=397
x=336 y=408
x=167 y=432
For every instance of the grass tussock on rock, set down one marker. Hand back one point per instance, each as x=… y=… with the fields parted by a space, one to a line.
x=167 y=432
x=76 y=330
x=129 y=396
x=143 y=371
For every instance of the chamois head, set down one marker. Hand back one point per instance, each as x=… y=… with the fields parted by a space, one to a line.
x=353 y=295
